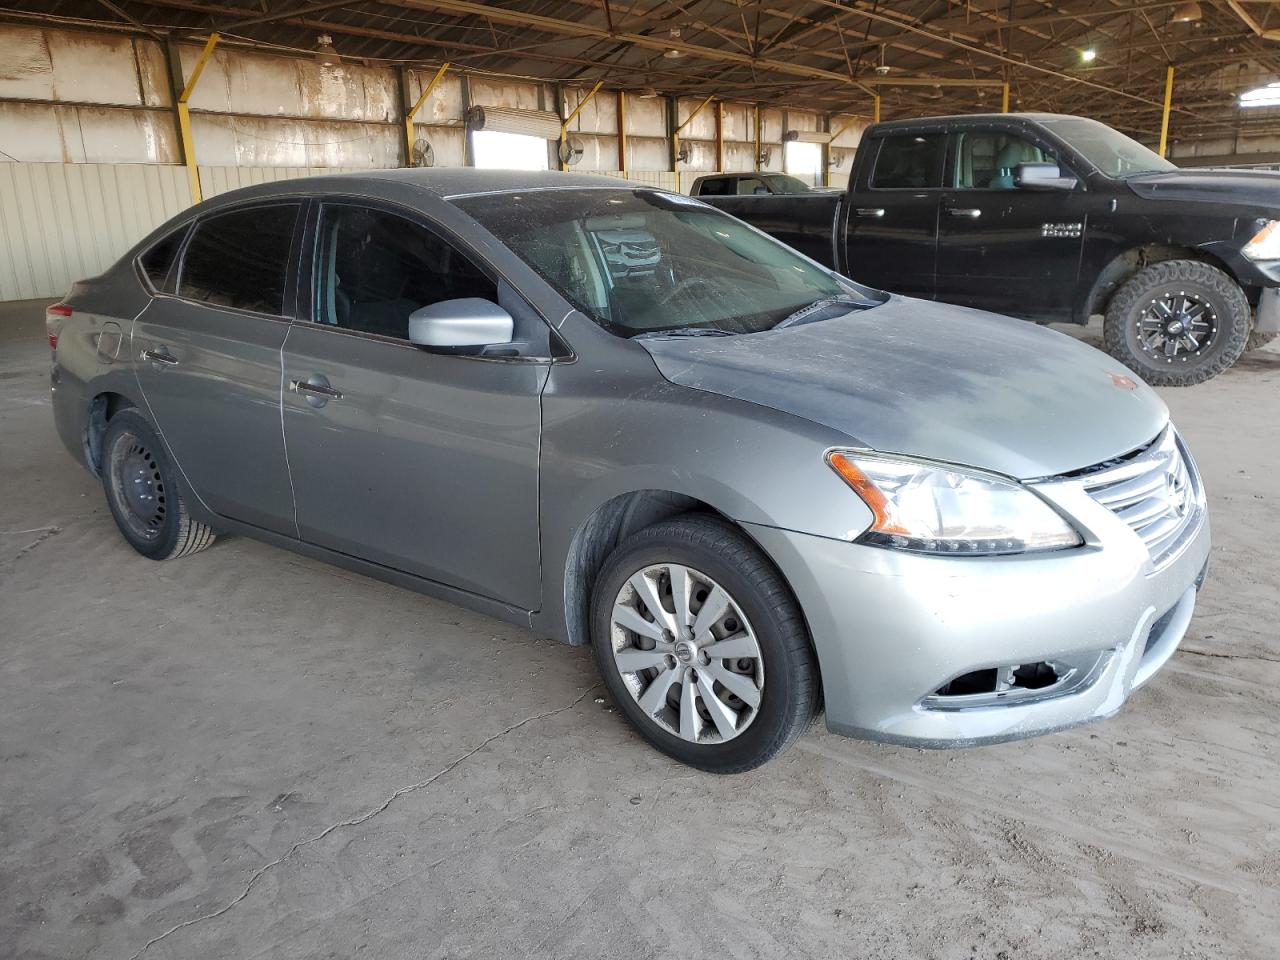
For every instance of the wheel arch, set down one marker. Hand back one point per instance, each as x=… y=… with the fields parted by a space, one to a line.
x=102 y=408
x=1134 y=260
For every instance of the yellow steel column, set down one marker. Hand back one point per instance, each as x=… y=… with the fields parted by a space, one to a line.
x=622 y=132
x=719 y=136
x=876 y=110
x=409 y=136
x=564 y=127
x=1004 y=97
x=1168 y=103
x=184 y=119
x=675 y=137
x=759 y=165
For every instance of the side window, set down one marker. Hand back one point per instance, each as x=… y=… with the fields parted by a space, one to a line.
x=909 y=161
x=751 y=187
x=985 y=160
x=159 y=257
x=240 y=259
x=376 y=268
x=715 y=187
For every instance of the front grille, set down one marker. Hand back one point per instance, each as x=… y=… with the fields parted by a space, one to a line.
x=1156 y=491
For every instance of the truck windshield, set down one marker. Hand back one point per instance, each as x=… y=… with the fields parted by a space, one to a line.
x=642 y=262
x=1114 y=154
x=781 y=183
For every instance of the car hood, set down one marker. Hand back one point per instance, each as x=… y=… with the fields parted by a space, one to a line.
x=1249 y=187
x=935 y=381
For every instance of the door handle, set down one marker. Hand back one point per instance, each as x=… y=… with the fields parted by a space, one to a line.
x=870 y=211
x=160 y=356
x=971 y=212
x=316 y=390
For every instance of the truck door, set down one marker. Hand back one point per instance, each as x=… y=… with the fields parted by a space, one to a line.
x=892 y=214
x=1001 y=248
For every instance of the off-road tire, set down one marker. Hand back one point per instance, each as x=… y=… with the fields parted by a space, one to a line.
x=174 y=534
x=1207 y=283
x=791 y=693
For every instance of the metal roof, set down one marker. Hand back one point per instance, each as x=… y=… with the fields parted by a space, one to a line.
x=811 y=54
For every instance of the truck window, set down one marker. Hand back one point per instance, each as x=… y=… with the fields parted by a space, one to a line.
x=751 y=187
x=909 y=161
x=715 y=187
x=985 y=160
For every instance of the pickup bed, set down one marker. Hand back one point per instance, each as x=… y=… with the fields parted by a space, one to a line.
x=1052 y=218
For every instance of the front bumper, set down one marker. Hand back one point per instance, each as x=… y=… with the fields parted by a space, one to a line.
x=892 y=628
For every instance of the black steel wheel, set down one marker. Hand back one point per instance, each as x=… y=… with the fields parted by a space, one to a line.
x=142 y=492
x=1178 y=323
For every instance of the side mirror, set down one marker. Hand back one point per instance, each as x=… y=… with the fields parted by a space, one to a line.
x=1041 y=176
x=468 y=322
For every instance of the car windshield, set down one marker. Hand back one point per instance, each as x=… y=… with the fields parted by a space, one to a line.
x=640 y=262
x=1114 y=154
x=781 y=183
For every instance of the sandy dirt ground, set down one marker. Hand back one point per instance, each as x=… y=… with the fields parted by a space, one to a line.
x=248 y=754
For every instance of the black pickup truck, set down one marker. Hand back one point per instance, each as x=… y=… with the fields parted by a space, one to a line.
x=1053 y=218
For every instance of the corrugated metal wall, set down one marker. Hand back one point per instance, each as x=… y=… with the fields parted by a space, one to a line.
x=60 y=222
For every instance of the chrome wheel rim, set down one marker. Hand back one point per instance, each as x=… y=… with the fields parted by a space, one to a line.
x=687 y=653
x=1177 y=327
x=136 y=485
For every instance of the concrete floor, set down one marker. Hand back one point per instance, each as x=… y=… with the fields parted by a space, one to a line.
x=249 y=754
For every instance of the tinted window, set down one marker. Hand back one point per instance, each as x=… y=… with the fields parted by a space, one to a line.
x=158 y=258
x=376 y=268
x=986 y=160
x=909 y=161
x=751 y=187
x=240 y=259
x=715 y=187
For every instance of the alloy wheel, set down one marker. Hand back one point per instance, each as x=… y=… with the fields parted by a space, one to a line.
x=686 y=653
x=1177 y=326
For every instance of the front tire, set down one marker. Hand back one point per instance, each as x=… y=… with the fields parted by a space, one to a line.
x=1177 y=323
x=702 y=646
x=142 y=492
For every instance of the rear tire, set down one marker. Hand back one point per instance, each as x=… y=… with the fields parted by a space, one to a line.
x=1177 y=323
x=142 y=492
x=741 y=656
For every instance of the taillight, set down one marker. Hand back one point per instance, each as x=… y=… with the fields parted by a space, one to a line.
x=52 y=325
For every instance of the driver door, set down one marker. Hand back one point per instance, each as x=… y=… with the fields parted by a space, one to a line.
x=1002 y=248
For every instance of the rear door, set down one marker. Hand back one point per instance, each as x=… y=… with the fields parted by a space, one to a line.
x=892 y=214
x=423 y=462
x=1002 y=248
x=207 y=358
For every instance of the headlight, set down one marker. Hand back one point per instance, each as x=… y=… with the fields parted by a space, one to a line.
x=941 y=509
x=1265 y=244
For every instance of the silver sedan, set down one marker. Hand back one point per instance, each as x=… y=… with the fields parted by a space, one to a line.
x=621 y=418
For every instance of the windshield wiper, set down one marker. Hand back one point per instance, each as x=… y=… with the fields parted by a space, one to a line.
x=684 y=332
x=821 y=310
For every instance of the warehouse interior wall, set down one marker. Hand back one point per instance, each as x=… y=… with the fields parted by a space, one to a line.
x=88 y=135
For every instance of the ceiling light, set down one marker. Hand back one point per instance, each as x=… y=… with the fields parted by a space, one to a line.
x=1187 y=13
x=1268 y=96
x=324 y=52
x=1088 y=55
x=673 y=53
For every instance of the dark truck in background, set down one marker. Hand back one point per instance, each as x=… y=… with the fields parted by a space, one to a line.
x=1052 y=218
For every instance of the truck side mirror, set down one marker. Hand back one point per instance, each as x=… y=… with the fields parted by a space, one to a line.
x=1041 y=176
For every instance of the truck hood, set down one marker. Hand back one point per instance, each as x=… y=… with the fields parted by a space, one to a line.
x=934 y=381
x=1249 y=187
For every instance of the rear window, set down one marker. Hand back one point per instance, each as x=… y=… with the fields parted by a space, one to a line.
x=716 y=187
x=159 y=257
x=240 y=259
x=909 y=161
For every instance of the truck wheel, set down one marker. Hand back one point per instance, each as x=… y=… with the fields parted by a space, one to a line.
x=1177 y=323
x=1258 y=339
